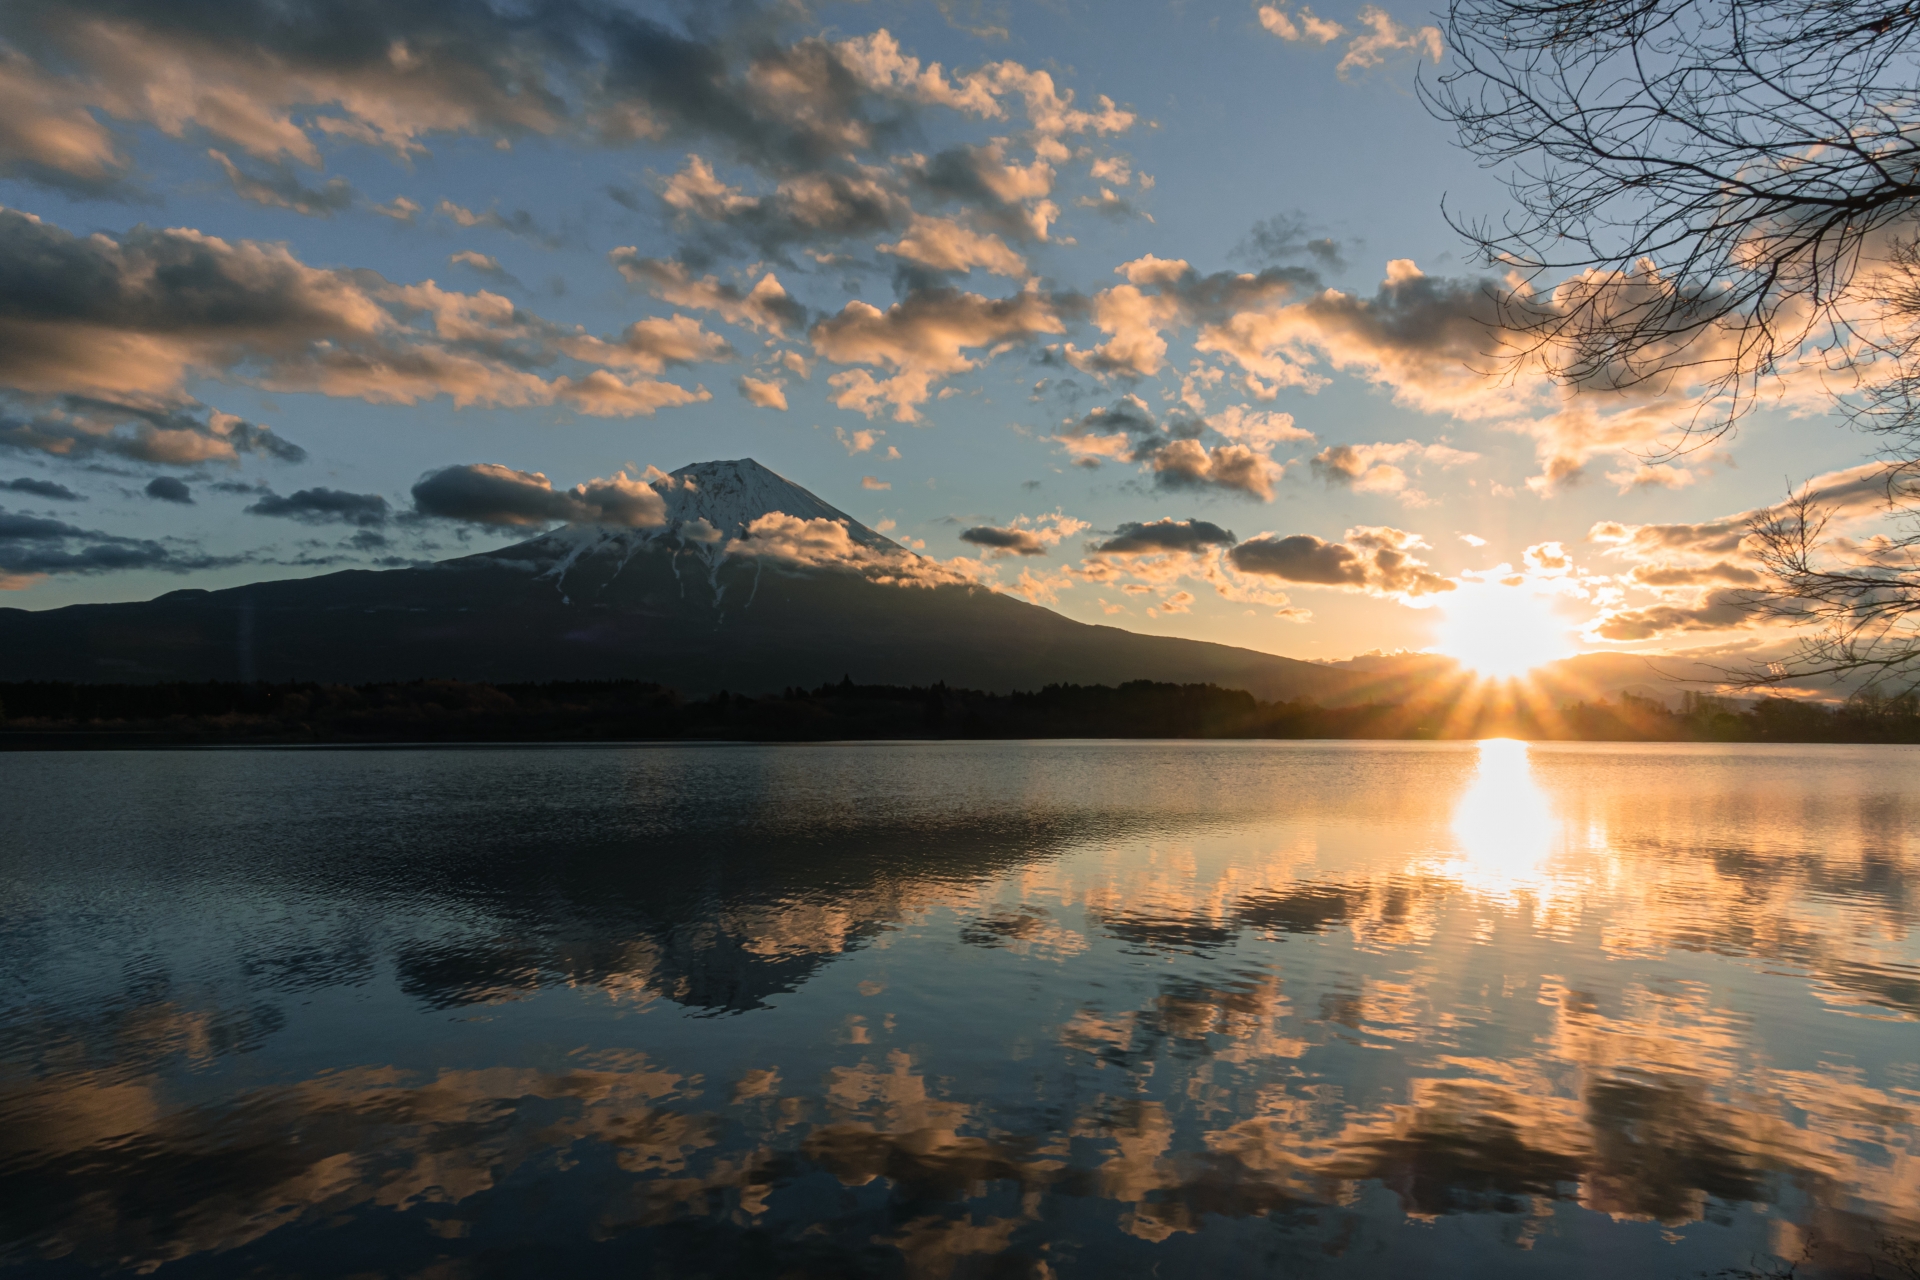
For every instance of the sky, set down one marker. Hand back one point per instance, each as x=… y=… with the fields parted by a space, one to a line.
x=1148 y=312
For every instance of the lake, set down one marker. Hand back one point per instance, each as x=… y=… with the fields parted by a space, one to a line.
x=961 y=1009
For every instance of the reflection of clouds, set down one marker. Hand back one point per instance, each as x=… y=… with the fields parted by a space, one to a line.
x=1544 y=960
x=121 y=1180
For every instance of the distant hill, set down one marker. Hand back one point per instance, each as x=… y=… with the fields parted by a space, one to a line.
x=675 y=603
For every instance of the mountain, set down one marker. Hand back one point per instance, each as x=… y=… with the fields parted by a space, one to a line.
x=748 y=583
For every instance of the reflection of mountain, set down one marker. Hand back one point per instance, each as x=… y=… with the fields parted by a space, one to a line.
x=701 y=603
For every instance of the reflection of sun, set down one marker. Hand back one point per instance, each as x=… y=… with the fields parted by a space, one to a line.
x=1498 y=630
x=1504 y=823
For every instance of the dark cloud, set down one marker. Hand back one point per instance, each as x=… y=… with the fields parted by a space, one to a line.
x=168 y=489
x=1187 y=464
x=486 y=493
x=43 y=489
x=766 y=306
x=1286 y=236
x=981 y=176
x=1137 y=539
x=324 y=506
x=1128 y=431
x=281 y=188
x=393 y=74
x=1372 y=559
x=1720 y=610
x=815 y=208
x=31 y=546
x=1019 y=542
x=131 y=321
x=517 y=223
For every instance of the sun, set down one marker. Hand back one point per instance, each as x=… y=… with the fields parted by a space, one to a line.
x=1500 y=631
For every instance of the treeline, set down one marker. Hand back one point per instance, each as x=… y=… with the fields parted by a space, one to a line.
x=82 y=715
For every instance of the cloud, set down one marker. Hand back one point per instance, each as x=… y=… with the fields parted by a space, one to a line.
x=487 y=493
x=1374 y=559
x=1382 y=36
x=400 y=209
x=1257 y=428
x=942 y=244
x=1111 y=204
x=878 y=63
x=767 y=394
x=651 y=345
x=1171 y=452
x=130 y=321
x=1720 y=572
x=1026 y=536
x=874 y=483
x=766 y=307
x=857 y=441
x=804 y=208
x=484 y=263
x=1009 y=196
x=923 y=339
x=1187 y=464
x=274 y=83
x=49 y=137
x=42 y=489
x=1855 y=493
x=518 y=223
x=143 y=430
x=168 y=489
x=1306 y=26
x=282 y=189
x=1284 y=237
x=1160 y=536
x=1372 y=468
x=32 y=547
x=798 y=543
x=1720 y=610
x=325 y=506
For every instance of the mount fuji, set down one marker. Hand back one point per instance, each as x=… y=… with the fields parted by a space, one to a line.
x=739 y=579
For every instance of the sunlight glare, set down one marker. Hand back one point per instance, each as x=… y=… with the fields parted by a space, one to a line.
x=1500 y=631
x=1504 y=823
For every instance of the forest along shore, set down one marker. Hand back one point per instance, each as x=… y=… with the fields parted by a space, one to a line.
x=51 y=716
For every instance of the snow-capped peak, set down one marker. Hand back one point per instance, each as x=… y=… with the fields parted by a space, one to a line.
x=728 y=496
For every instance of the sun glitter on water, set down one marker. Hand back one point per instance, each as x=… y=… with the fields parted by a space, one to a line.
x=1500 y=631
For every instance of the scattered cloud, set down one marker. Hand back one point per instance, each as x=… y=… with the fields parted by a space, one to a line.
x=1382 y=36
x=33 y=547
x=490 y=494
x=765 y=393
x=1374 y=559
x=1025 y=536
x=1160 y=536
x=923 y=339
x=1302 y=25
x=169 y=489
x=324 y=506
x=281 y=188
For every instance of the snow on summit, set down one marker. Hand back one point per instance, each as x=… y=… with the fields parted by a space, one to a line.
x=710 y=509
x=731 y=495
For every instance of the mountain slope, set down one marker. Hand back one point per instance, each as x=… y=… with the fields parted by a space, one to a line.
x=689 y=603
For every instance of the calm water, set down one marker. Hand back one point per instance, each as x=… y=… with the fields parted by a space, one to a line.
x=952 y=1010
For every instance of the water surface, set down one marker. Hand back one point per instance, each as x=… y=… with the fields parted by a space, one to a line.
x=953 y=1010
